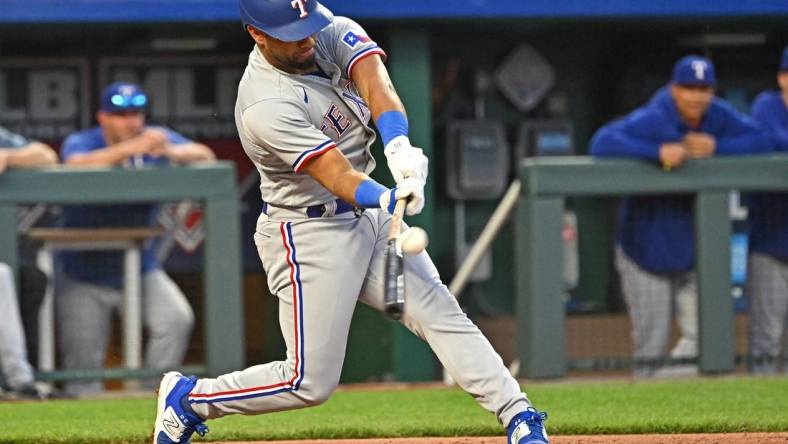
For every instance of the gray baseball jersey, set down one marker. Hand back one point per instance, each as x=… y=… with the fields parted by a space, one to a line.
x=320 y=265
x=284 y=120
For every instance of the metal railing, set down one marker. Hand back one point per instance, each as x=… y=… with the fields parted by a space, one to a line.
x=547 y=182
x=213 y=184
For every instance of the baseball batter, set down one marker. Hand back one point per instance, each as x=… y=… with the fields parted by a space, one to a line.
x=312 y=84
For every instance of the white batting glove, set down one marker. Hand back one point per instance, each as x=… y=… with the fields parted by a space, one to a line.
x=405 y=160
x=411 y=189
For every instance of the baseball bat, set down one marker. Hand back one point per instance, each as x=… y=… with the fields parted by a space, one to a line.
x=394 y=280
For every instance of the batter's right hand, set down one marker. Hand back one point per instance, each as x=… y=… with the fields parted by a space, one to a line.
x=411 y=189
x=672 y=155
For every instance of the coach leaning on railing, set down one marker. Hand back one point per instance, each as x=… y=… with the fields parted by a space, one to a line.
x=547 y=182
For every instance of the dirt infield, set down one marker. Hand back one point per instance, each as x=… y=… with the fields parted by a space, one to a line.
x=710 y=438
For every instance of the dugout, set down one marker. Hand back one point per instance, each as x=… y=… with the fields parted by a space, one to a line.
x=608 y=58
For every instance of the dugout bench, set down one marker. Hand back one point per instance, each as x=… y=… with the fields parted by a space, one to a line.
x=547 y=182
x=212 y=183
x=128 y=240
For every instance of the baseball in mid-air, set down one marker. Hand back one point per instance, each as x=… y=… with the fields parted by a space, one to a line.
x=413 y=240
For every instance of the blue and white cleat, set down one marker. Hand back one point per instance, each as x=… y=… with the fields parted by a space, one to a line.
x=175 y=420
x=528 y=428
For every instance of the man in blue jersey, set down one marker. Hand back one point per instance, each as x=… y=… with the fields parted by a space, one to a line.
x=655 y=252
x=90 y=287
x=767 y=280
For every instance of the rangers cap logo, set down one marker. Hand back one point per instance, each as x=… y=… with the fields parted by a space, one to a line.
x=301 y=6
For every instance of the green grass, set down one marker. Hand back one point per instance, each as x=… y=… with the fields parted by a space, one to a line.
x=703 y=405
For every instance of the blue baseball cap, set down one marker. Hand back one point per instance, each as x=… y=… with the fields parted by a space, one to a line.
x=784 y=60
x=123 y=96
x=693 y=70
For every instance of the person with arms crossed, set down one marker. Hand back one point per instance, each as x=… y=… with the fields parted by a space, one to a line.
x=312 y=84
x=89 y=290
x=655 y=253
x=767 y=280
x=15 y=368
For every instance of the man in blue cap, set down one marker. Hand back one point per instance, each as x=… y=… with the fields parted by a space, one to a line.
x=767 y=280
x=655 y=247
x=89 y=289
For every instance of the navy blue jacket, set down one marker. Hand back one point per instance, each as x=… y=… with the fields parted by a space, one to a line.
x=769 y=212
x=657 y=231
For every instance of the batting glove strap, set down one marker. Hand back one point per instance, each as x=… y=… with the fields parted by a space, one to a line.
x=405 y=160
x=411 y=189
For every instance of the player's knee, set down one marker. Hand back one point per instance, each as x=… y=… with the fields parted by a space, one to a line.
x=316 y=394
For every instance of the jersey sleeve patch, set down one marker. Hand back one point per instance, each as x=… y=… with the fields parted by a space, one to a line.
x=307 y=155
x=352 y=39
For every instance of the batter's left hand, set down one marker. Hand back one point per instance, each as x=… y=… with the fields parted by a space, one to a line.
x=410 y=189
x=405 y=160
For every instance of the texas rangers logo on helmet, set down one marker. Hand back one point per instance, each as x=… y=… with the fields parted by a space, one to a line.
x=301 y=5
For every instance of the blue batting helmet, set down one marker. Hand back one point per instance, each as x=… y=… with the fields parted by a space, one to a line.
x=286 y=20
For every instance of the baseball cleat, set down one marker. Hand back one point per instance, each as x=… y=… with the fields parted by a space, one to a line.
x=528 y=428
x=175 y=420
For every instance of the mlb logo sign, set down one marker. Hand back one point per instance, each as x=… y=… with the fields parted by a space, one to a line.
x=352 y=39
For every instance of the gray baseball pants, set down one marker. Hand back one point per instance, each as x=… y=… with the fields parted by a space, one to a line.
x=84 y=313
x=650 y=299
x=13 y=355
x=319 y=269
x=767 y=288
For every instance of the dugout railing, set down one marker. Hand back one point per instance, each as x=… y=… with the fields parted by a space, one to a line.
x=548 y=182
x=213 y=184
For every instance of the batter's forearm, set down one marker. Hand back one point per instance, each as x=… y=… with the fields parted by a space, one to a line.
x=375 y=86
x=383 y=98
x=357 y=188
x=333 y=171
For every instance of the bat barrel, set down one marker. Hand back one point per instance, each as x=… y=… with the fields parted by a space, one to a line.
x=394 y=290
